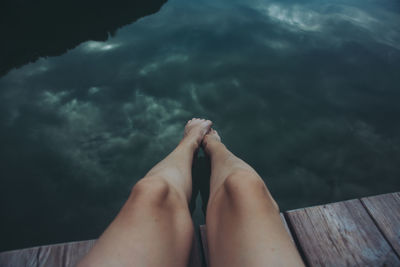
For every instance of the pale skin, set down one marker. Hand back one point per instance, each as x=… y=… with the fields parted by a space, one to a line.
x=154 y=227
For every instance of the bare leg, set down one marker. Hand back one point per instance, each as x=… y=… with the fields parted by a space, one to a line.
x=154 y=227
x=244 y=227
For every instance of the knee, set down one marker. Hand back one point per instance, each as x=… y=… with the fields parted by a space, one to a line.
x=151 y=191
x=244 y=185
x=243 y=182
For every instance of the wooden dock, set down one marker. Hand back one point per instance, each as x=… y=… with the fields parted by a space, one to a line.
x=358 y=232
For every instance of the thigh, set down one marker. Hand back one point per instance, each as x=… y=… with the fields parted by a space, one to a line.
x=244 y=228
x=152 y=229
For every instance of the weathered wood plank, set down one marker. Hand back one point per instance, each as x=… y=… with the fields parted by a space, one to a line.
x=23 y=257
x=286 y=225
x=66 y=254
x=203 y=235
x=385 y=210
x=195 y=254
x=341 y=234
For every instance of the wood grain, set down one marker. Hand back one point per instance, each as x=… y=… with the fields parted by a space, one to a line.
x=195 y=254
x=286 y=225
x=65 y=255
x=17 y=258
x=341 y=234
x=385 y=210
x=203 y=235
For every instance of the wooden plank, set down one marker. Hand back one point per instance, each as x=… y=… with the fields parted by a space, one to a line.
x=23 y=257
x=203 y=235
x=286 y=226
x=385 y=210
x=66 y=254
x=341 y=234
x=195 y=254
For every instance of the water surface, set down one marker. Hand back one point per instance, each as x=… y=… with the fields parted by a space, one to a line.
x=306 y=92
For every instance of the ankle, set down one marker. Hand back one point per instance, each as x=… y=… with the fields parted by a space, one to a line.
x=190 y=143
x=211 y=146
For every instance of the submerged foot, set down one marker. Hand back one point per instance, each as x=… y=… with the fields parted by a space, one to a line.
x=196 y=129
x=211 y=137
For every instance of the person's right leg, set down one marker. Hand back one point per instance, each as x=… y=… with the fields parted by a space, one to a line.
x=244 y=227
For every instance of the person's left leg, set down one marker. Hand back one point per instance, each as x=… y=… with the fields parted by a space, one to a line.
x=154 y=227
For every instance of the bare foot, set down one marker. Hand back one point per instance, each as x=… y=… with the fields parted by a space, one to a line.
x=211 y=137
x=195 y=130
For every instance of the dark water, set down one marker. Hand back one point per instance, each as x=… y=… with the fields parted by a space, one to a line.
x=307 y=92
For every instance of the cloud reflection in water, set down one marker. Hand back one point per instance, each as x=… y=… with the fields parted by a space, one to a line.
x=306 y=92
